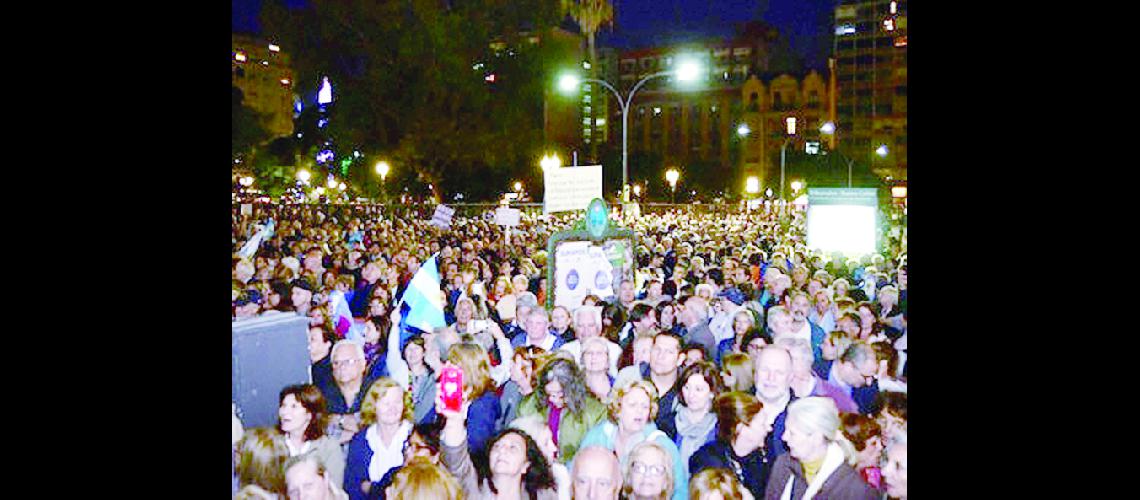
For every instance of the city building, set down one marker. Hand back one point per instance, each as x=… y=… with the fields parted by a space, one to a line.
x=766 y=110
x=261 y=70
x=870 y=48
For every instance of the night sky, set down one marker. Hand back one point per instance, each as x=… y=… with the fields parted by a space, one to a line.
x=643 y=22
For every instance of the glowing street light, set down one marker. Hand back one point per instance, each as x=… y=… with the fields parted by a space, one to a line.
x=303 y=176
x=686 y=71
x=752 y=185
x=796 y=185
x=246 y=181
x=671 y=176
x=332 y=182
x=341 y=186
x=882 y=151
x=827 y=128
x=550 y=162
x=743 y=130
x=518 y=186
x=382 y=168
x=637 y=190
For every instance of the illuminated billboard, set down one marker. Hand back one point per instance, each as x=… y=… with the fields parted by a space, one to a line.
x=843 y=220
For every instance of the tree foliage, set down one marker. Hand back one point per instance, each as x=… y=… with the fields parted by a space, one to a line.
x=246 y=129
x=410 y=80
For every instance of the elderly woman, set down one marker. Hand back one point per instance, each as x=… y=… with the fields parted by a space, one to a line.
x=301 y=419
x=515 y=468
x=649 y=473
x=717 y=484
x=377 y=448
x=815 y=465
x=739 y=447
x=631 y=413
x=894 y=467
x=695 y=422
x=595 y=363
x=742 y=321
x=562 y=399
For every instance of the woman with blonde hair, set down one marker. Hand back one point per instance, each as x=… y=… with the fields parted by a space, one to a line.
x=738 y=372
x=421 y=479
x=649 y=473
x=717 y=483
x=816 y=461
x=386 y=416
x=480 y=389
x=261 y=460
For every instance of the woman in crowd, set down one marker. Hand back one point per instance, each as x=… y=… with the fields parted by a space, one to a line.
x=822 y=311
x=864 y=435
x=738 y=372
x=387 y=423
x=815 y=465
x=869 y=328
x=649 y=473
x=695 y=423
x=520 y=385
x=421 y=377
x=560 y=323
x=739 y=447
x=516 y=467
x=613 y=320
x=631 y=413
x=894 y=467
x=562 y=399
x=833 y=345
x=480 y=389
x=595 y=365
x=892 y=414
x=301 y=419
x=742 y=322
x=537 y=429
x=717 y=483
x=667 y=316
x=421 y=480
x=756 y=339
x=261 y=460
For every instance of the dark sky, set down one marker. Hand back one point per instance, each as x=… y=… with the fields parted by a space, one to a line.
x=642 y=22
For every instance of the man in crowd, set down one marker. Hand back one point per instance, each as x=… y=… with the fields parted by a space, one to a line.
x=344 y=397
x=596 y=475
x=587 y=324
x=537 y=333
x=695 y=317
x=773 y=388
x=626 y=295
x=728 y=302
x=801 y=328
x=779 y=322
x=665 y=361
x=854 y=373
x=301 y=293
x=806 y=383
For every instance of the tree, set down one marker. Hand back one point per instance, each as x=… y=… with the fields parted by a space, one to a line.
x=246 y=130
x=412 y=79
x=590 y=15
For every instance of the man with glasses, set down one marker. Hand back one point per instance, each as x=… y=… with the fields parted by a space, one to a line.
x=855 y=373
x=345 y=395
x=596 y=475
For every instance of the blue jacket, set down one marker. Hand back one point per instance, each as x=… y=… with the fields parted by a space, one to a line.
x=751 y=470
x=482 y=417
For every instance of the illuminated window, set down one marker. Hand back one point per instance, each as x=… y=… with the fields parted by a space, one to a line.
x=239 y=56
x=889 y=24
x=285 y=81
x=894 y=7
x=274 y=48
x=900 y=41
x=845 y=29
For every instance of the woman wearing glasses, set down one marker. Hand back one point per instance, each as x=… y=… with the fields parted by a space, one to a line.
x=649 y=473
x=630 y=423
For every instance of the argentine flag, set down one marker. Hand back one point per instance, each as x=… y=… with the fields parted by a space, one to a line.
x=424 y=298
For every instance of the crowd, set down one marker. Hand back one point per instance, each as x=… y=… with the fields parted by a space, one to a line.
x=736 y=363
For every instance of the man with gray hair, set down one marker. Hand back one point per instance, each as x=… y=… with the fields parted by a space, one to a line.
x=855 y=374
x=695 y=317
x=351 y=385
x=805 y=383
x=525 y=302
x=596 y=475
x=537 y=333
x=588 y=324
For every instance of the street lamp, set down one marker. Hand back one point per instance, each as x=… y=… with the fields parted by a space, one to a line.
x=303 y=176
x=672 y=175
x=882 y=151
x=637 y=190
x=796 y=185
x=752 y=185
x=743 y=130
x=518 y=186
x=382 y=168
x=550 y=162
x=686 y=71
x=246 y=181
x=791 y=121
x=829 y=128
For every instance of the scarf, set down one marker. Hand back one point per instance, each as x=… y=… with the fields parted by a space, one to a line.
x=692 y=434
x=385 y=458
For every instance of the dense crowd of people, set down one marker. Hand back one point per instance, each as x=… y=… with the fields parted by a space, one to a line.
x=734 y=363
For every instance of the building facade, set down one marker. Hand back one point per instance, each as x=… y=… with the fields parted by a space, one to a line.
x=262 y=72
x=767 y=106
x=870 y=50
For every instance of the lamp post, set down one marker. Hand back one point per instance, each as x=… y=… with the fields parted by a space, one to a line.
x=672 y=175
x=686 y=71
x=829 y=128
x=382 y=168
x=791 y=124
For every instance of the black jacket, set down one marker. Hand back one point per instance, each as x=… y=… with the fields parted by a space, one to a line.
x=751 y=470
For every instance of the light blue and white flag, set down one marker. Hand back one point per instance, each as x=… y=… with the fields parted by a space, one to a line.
x=424 y=298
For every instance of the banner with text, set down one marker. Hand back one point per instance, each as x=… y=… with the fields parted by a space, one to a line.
x=442 y=217
x=571 y=188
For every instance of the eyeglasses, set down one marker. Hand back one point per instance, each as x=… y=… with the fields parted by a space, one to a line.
x=648 y=470
x=345 y=362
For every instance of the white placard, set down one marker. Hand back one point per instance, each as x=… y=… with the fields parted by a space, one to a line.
x=583 y=269
x=247 y=209
x=507 y=216
x=571 y=188
x=442 y=217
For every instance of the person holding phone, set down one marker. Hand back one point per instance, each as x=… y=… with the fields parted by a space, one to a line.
x=477 y=384
x=516 y=467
